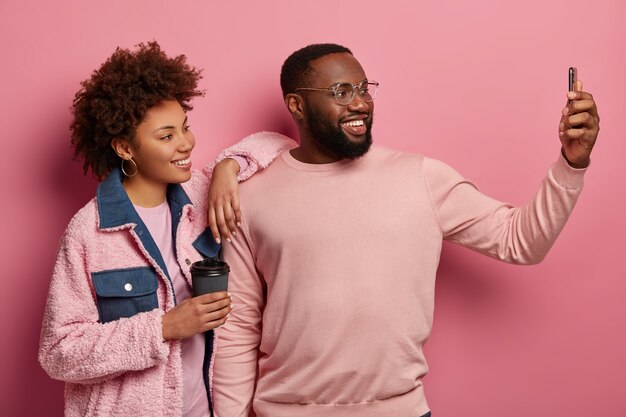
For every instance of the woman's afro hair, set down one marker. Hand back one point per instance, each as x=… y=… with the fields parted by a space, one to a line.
x=115 y=99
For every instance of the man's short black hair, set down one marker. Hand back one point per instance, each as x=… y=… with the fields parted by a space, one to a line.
x=297 y=67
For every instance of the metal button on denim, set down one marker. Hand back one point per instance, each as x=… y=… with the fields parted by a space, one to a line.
x=128 y=286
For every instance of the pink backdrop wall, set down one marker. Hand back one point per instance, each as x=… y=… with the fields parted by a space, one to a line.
x=478 y=84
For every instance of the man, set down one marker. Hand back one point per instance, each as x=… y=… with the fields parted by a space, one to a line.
x=333 y=274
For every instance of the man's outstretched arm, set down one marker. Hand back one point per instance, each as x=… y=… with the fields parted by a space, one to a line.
x=519 y=234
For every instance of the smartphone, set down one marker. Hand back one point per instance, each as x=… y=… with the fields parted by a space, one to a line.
x=572 y=77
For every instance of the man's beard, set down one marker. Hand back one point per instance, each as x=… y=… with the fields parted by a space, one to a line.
x=333 y=140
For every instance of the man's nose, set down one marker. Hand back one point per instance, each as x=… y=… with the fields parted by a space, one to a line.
x=358 y=103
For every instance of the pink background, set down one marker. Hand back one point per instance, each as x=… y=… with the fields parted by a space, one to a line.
x=477 y=84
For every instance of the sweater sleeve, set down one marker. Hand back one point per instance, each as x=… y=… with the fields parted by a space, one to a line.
x=74 y=346
x=237 y=341
x=259 y=150
x=520 y=235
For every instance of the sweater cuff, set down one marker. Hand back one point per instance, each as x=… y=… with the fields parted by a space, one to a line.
x=243 y=162
x=159 y=348
x=567 y=176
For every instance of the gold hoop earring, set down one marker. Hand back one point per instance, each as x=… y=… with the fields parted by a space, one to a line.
x=134 y=168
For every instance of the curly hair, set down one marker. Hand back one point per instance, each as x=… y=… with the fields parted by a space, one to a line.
x=115 y=99
x=296 y=67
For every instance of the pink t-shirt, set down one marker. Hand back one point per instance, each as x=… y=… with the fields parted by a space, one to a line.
x=158 y=220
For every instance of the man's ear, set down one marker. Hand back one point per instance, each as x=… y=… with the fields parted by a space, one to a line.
x=295 y=104
x=122 y=148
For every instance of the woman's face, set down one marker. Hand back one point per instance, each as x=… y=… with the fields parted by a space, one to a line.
x=163 y=144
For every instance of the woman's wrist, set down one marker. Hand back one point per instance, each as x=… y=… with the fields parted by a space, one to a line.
x=229 y=164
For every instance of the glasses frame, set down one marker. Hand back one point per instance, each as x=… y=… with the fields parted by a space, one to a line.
x=333 y=88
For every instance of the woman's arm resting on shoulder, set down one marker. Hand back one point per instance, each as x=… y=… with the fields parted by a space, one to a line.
x=258 y=150
x=223 y=205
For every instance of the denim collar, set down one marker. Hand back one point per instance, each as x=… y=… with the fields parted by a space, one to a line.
x=115 y=208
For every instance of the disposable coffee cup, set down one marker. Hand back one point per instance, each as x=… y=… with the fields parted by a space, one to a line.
x=209 y=275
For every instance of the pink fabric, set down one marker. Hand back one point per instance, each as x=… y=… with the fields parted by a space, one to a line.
x=123 y=367
x=250 y=148
x=158 y=220
x=333 y=278
x=243 y=163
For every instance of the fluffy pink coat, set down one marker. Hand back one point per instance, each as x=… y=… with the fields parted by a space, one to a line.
x=124 y=367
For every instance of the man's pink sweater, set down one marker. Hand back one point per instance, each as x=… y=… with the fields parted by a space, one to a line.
x=333 y=278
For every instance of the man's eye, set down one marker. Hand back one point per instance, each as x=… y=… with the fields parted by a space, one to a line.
x=341 y=93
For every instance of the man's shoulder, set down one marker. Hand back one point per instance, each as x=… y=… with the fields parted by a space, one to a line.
x=273 y=170
x=383 y=154
x=411 y=165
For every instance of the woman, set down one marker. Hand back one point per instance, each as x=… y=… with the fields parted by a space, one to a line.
x=120 y=326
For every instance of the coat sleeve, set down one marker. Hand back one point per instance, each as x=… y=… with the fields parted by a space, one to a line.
x=74 y=346
x=520 y=235
x=237 y=341
x=259 y=150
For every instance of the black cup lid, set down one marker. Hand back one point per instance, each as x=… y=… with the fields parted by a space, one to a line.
x=211 y=265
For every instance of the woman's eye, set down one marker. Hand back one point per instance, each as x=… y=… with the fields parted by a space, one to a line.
x=187 y=127
x=167 y=137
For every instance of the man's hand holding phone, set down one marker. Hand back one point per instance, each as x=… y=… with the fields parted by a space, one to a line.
x=579 y=125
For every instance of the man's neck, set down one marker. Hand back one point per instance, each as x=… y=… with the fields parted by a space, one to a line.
x=302 y=155
x=309 y=153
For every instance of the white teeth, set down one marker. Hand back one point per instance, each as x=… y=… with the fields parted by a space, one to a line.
x=182 y=162
x=354 y=123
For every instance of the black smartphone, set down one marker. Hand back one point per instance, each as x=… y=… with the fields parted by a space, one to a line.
x=572 y=77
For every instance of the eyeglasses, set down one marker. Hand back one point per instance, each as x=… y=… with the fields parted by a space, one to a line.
x=344 y=92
